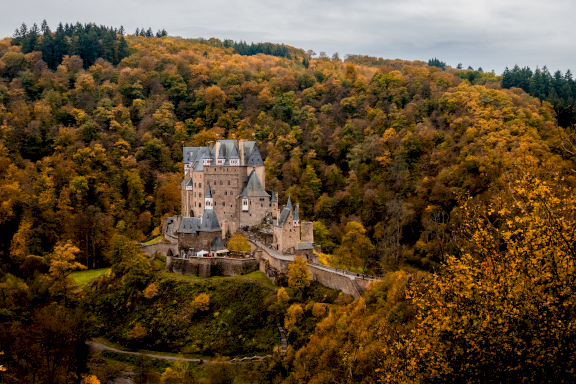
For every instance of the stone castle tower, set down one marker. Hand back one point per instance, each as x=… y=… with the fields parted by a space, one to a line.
x=228 y=177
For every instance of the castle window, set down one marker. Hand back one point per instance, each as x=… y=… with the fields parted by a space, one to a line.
x=228 y=182
x=214 y=182
x=200 y=204
x=244 y=204
x=225 y=192
x=194 y=185
x=199 y=194
x=194 y=203
x=194 y=194
x=223 y=204
x=220 y=182
x=261 y=205
x=200 y=185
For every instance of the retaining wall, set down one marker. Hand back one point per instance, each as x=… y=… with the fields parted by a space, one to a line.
x=161 y=248
x=211 y=266
x=333 y=280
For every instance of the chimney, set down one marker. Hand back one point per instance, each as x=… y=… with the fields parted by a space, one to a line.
x=241 y=151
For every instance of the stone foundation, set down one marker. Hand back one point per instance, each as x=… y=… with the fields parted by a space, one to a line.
x=211 y=266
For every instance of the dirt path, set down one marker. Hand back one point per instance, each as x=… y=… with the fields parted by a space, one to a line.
x=101 y=347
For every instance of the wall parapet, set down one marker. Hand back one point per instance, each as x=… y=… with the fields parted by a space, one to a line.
x=211 y=266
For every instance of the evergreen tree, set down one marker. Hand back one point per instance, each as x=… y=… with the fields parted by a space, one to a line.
x=436 y=63
x=47 y=48
x=60 y=45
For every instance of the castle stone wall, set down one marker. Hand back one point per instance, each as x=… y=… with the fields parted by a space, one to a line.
x=257 y=209
x=211 y=266
x=200 y=241
x=333 y=280
x=307 y=232
x=161 y=248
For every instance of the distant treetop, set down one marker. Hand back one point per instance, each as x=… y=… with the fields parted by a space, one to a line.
x=436 y=63
x=88 y=41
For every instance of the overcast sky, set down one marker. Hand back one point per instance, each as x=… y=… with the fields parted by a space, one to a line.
x=491 y=34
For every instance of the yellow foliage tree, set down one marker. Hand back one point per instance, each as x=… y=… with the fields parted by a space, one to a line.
x=298 y=275
x=19 y=247
x=150 y=291
x=90 y=379
x=282 y=297
x=356 y=247
x=508 y=300
x=293 y=316
x=137 y=333
x=238 y=243
x=201 y=303
x=62 y=263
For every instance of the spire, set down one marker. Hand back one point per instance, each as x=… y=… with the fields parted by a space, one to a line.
x=289 y=204
x=296 y=219
x=208 y=201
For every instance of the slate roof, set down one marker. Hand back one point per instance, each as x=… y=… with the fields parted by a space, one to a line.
x=289 y=203
x=182 y=183
x=189 y=183
x=199 y=166
x=253 y=187
x=254 y=159
x=283 y=216
x=208 y=223
x=222 y=152
x=190 y=154
x=233 y=153
x=228 y=150
x=217 y=245
x=207 y=154
x=274 y=198
x=304 y=245
x=296 y=217
x=208 y=193
x=189 y=225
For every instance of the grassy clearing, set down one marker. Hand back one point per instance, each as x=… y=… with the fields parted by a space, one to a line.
x=256 y=275
x=259 y=276
x=177 y=276
x=154 y=240
x=83 y=277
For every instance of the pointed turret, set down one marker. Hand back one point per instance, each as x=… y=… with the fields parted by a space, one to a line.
x=208 y=200
x=234 y=158
x=289 y=204
x=222 y=154
x=255 y=159
x=296 y=219
x=207 y=157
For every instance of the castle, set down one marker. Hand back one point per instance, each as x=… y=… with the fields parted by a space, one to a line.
x=223 y=190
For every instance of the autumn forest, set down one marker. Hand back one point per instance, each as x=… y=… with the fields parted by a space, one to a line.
x=454 y=186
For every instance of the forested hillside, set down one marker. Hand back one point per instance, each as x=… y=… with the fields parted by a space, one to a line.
x=91 y=148
x=402 y=166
